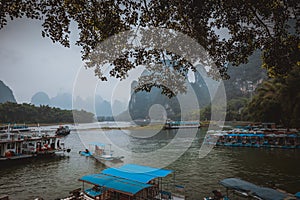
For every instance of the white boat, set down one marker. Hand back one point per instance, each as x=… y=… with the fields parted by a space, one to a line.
x=181 y=124
x=103 y=154
x=14 y=128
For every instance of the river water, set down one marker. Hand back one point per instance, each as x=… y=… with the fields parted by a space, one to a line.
x=179 y=151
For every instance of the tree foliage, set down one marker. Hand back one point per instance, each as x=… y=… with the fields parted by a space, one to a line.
x=233 y=112
x=28 y=113
x=277 y=100
x=269 y=25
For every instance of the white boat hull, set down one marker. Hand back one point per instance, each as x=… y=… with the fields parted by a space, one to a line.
x=108 y=160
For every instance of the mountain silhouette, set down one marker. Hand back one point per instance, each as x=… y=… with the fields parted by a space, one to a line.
x=40 y=98
x=6 y=93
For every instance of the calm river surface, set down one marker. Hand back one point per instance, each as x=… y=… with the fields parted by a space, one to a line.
x=54 y=178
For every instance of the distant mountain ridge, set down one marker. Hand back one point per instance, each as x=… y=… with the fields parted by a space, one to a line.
x=245 y=78
x=175 y=107
x=98 y=106
x=243 y=82
x=6 y=94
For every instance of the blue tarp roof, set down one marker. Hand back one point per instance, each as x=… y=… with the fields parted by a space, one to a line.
x=246 y=135
x=292 y=135
x=138 y=173
x=252 y=189
x=118 y=184
x=140 y=177
x=156 y=172
x=183 y=122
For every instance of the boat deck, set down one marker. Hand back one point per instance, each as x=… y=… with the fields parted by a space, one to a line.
x=16 y=157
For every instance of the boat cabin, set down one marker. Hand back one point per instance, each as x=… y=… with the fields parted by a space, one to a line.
x=10 y=144
x=41 y=144
x=17 y=145
x=110 y=187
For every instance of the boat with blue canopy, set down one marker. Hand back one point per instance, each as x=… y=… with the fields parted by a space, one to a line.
x=128 y=182
x=236 y=138
x=249 y=190
x=105 y=185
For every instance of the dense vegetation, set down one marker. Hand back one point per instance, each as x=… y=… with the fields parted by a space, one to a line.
x=277 y=100
x=28 y=113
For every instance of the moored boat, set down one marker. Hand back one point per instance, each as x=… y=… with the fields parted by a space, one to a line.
x=19 y=128
x=181 y=124
x=101 y=153
x=241 y=188
x=62 y=131
x=16 y=128
x=17 y=146
x=127 y=182
x=257 y=139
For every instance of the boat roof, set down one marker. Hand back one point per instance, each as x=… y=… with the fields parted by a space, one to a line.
x=115 y=183
x=253 y=190
x=146 y=170
x=136 y=175
x=247 y=135
x=98 y=144
x=140 y=177
x=184 y=122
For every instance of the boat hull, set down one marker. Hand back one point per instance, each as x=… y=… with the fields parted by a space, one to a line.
x=109 y=161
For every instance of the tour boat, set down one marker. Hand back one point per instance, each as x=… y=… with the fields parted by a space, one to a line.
x=181 y=124
x=128 y=182
x=17 y=146
x=62 y=131
x=14 y=128
x=249 y=190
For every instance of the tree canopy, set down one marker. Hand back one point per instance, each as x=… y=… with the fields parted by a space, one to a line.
x=271 y=26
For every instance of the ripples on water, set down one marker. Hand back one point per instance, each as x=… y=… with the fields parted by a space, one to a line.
x=54 y=178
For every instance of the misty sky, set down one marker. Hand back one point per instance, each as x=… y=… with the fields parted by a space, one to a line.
x=30 y=63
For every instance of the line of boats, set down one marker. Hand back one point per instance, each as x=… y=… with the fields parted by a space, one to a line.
x=259 y=137
x=133 y=182
x=23 y=128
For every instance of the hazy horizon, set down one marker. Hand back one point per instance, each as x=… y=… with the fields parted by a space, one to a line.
x=30 y=64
